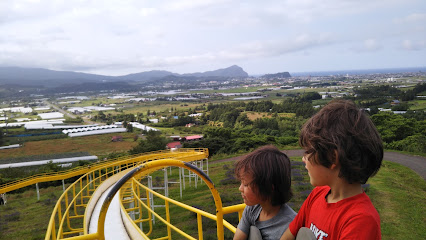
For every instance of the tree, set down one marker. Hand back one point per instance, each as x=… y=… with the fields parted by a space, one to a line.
x=129 y=128
x=400 y=107
x=154 y=142
x=243 y=121
x=309 y=96
x=212 y=132
x=374 y=110
x=229 y=118
x=1 y=137
x=100 y=117
x=394 y=127
x=414 y=143
x=214 y=144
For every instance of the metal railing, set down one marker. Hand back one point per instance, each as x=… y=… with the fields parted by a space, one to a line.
x=68 y=217
x=133 y=191
x=131 y=183
x=77 y=171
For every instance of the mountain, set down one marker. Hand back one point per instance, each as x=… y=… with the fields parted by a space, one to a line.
x=232 y=71
x=46 y=77
x=146 y=76
x=51 y=78
x=277 y=75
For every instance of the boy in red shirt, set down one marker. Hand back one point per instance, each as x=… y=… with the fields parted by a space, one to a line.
x=343 y=149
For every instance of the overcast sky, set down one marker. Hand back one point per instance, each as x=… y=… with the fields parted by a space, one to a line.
x=183 y=36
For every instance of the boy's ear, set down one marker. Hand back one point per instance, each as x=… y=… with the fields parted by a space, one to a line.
x=336 y=162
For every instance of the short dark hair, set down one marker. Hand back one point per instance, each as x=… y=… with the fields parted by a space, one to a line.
x=341 y=127
x=271 y=172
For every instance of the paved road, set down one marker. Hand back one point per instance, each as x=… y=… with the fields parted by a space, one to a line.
x=415 y=163
x=86 y=120
x=59 y=109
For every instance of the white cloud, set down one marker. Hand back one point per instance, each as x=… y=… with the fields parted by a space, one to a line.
x=146 y=12
x=411 y=45
x=371 y=45
x=258 y=49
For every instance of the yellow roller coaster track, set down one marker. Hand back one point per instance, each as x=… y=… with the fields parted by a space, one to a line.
x=71 y=215
x=187 y=154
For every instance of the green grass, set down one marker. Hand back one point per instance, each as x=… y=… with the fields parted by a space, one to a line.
x=399 y=196
x=397 y=193
x=419 y=104
x=25 y=217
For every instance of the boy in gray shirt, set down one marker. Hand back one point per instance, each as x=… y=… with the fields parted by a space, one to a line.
x=265 y=176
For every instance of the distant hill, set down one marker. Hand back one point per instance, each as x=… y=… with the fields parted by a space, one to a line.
x=46 y=77
x=277 y=75
x=232 y=71
x=51 y=78
x=146 y=76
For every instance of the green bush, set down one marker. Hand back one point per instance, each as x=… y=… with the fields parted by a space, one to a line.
x=286 y=140
x=414 y=143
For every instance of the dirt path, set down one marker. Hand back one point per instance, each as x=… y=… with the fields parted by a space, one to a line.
x=415 y=163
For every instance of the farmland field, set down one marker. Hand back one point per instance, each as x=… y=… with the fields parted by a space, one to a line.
x=95 y=144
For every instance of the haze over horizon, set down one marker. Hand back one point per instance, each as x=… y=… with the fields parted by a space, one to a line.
x=117 y=38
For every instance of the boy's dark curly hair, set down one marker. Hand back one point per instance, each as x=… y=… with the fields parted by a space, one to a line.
x=343 y=129
x=271 y=172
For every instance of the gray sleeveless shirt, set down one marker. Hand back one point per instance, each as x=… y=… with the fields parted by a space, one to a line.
x=270 y=229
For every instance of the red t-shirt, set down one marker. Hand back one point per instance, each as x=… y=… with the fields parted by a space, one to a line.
x=350 y=218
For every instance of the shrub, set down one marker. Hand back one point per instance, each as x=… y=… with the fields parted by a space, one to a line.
x=414 y=143
x=286 y=140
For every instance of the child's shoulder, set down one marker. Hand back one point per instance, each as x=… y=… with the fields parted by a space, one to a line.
x=320 y=190
x=255 y=209
x=317 y=194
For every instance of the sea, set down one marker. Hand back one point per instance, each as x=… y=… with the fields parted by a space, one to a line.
x=360 y=71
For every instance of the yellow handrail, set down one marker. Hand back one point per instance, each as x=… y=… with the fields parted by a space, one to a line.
x=77 y=195
x=77 y=171
x=159 y=164
x=226 y=210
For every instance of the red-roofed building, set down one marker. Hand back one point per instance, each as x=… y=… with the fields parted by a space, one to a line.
x=192 y=138
x=174 y=145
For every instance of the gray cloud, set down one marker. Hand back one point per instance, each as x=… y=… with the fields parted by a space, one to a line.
x=142 y=34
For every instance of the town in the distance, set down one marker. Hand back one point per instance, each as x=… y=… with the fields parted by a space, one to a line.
x=41 y=104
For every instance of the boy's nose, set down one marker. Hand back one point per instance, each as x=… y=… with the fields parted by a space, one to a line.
x=240 y=188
